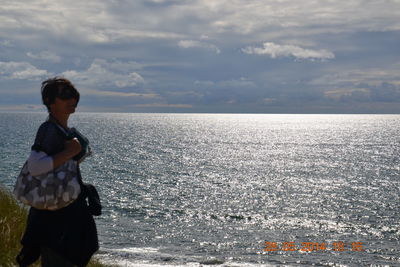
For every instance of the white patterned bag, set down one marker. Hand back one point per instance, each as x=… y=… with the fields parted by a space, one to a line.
x=50 y=191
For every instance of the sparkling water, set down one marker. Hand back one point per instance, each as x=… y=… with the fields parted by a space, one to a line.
x=235 y=190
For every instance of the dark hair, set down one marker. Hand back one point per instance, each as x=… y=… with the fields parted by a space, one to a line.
x=58 y=87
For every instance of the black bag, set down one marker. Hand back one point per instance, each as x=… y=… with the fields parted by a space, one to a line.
x=93 y=199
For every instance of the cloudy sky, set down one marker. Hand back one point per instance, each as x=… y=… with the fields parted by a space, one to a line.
x=261 y=56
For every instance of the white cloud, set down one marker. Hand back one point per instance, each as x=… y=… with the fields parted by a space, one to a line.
x=343 y=92
x=21 y=71
x=280 y=16
x=204 y=83
x=102 y=73
x=234 y=83
x=126 y=34
x=83 y=22
x=198 y=44
x=45 y=55
x=6 y=43
x=276 y=50
x=371 y=76
x=101 y=21
x=120 y=94
x=119 y=66
x=239 y=83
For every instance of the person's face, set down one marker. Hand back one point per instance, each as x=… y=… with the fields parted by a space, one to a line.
x=64 y=106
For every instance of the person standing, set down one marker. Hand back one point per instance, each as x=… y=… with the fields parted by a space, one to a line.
x=68 y=236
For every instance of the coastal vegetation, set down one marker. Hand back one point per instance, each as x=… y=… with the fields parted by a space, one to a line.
x=12 y=224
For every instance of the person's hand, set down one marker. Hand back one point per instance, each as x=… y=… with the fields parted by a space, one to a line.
x=73 y=147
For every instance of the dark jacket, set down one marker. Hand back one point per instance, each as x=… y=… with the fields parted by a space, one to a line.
x=70 y=231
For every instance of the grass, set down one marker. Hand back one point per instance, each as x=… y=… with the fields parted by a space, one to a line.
x=12 y=225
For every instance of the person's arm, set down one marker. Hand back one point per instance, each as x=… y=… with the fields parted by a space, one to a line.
x=39 y=162
x=72 y=148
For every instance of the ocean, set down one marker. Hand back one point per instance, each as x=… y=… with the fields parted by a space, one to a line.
x=235 y=189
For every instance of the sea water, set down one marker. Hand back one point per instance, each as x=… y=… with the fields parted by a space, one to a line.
x=235 y=189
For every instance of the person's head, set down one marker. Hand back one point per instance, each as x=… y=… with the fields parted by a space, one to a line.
x=58 y=90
